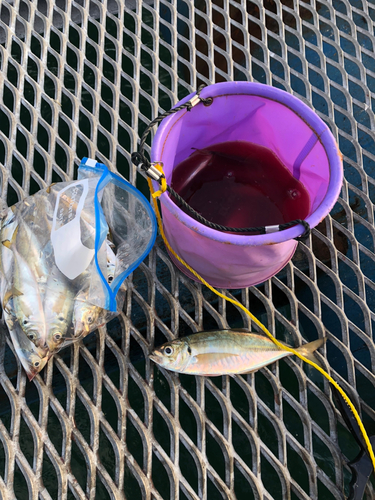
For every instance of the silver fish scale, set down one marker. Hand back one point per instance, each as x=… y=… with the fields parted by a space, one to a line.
x=84 y=78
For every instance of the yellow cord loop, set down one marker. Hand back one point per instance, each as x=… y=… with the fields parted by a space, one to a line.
x=163 y=187
x=263 y=328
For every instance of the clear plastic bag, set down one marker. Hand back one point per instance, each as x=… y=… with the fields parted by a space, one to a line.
x=65 y=254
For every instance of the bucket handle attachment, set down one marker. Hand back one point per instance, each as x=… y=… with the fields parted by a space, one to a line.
x=155 y=172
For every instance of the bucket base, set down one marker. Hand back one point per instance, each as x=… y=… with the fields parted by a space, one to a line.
x=228 y=285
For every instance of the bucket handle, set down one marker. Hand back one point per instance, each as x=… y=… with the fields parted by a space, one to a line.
x=155 y=172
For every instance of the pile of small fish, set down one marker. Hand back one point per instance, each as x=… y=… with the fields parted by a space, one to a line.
x=43 y=309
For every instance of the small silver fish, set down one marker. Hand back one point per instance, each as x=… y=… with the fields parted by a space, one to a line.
x=111 y=262
x=86 y=317
x=30 y=249
x=58 y=306
x=224 y=352
x=23 y=293
x=32 y=358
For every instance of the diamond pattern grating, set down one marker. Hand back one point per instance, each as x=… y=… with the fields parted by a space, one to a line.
x=84 y=78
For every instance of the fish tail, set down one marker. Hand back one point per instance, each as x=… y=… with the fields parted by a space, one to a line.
x=308 y=350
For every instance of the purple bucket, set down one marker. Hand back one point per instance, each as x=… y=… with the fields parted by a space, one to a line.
x=264 y=115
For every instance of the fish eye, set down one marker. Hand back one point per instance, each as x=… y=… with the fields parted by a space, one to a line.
x=110 y=279
x=57 y=337
x=36 y=364
x=32 y=336
x=25 y=321
x=168 y=350
x=90 y=320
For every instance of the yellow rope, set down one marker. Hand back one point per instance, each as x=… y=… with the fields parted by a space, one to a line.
x=264 y=329
x=163 y=180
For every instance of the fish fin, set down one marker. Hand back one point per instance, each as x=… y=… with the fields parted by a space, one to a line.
x=307 y=350
x=10 y=243
x=211 y=357
x=30 y=375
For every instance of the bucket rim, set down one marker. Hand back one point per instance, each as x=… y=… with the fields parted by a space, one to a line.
x=311 y=119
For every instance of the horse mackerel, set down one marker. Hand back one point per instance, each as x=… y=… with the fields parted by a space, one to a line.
x=58 y=306
x=224 y=352
x=23 y=290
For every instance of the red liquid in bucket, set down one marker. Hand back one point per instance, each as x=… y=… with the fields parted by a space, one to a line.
x=240 y=184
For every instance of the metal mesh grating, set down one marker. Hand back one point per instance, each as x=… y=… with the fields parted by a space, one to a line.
x=84 y=78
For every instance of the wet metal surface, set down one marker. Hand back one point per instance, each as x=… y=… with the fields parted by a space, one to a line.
x=84 y=78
